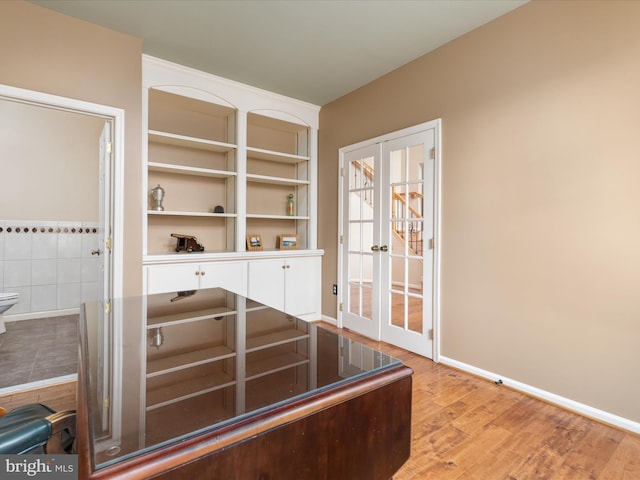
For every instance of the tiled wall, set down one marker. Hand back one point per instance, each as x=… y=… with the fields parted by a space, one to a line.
x=49 y=264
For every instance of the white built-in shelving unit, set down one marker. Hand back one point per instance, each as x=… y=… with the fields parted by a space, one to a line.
x=228 y=156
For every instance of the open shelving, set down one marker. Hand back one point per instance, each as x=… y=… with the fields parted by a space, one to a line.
x=227 y=157
x=192 y=156
x=221 y=343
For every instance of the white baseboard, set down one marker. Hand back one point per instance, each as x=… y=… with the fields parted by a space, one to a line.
x=37 y=384
x=37 y=315
x=577 y=407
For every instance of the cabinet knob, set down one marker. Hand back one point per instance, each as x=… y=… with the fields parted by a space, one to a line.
x=197 y=272
x=202 y=273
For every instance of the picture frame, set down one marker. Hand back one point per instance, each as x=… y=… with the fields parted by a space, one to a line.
x=254 y=242
x=288 y=241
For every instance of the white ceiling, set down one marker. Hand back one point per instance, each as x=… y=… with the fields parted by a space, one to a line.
x=312 y=50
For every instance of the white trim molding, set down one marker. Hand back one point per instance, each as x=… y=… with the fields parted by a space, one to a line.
x=566 y=403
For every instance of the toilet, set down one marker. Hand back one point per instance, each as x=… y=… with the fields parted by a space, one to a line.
x=7 y=300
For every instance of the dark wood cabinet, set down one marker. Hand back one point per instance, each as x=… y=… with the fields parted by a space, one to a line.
x=352 y=422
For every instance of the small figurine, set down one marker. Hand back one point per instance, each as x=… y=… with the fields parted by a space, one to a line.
x=187 y=243
x=182 y=295
x=157 y=194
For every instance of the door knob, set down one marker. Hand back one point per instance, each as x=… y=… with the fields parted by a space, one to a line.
x=375 y=248
x=95 y=252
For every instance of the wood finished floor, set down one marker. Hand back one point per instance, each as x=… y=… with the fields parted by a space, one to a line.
x=464 y=427
x=467 y=428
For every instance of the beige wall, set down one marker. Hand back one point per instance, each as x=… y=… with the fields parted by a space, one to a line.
x=48 y=52
x=63 y=148
x=540 y=196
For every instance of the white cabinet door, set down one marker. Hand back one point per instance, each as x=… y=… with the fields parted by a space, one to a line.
x=231 y=276
x=266 y=282
x=172 y=278
x=302 y=286
x=291 y=285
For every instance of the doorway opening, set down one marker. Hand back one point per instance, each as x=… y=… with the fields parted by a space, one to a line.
x=61 y=209
x=388 y=252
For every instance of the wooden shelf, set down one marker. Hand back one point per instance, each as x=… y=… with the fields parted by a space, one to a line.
x=191 y=214
x=273 y=156
x=274 y=364
x=169 y=394
x=183 y=170
x=174 y=363
x=253 y=306
x=276 y=338
x=277 y=217
x=189 y=142
x=275 y=180
x=188 y=317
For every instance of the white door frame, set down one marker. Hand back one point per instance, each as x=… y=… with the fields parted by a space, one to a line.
x=114 y=194
x=434 y=124
x=116 y=115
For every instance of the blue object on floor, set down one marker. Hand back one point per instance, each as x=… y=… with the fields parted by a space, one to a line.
x=35 y=428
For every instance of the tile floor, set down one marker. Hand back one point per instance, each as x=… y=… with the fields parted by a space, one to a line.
x=39 y=349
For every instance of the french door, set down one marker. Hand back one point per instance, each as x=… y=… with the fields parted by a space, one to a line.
x=388 y=268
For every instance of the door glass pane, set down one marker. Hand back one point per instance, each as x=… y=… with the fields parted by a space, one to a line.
x=397 y=159
x=361 y=173
x=406 y=224
x=367 y=172
x=416 y=159
x=367 y=269
x=367 y=204
x=355 y=267
x=414 y=276
x=414 y=314
x=355 y=175
x=398 y=200
x=355 y=206
x=360 y=237
x=367 y=296
x=355 y=239
x=354 y=302
x=415 y=237
x=398 y=310
x=397 y=236
x=398 y=272
x=367 y=237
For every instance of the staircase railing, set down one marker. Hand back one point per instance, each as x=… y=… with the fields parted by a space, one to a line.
x=414 y=222
x=410 y=227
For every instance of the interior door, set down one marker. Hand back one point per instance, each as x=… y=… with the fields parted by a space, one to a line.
x=388 y=270
x=105 y=352
x=406 y=241
x=360 y=232
x=104 y=212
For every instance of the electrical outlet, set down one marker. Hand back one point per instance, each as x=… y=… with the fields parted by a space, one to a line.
x=335 y=289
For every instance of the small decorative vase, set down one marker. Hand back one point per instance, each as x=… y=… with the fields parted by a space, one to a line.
x=157 y=194
x=291 y=207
